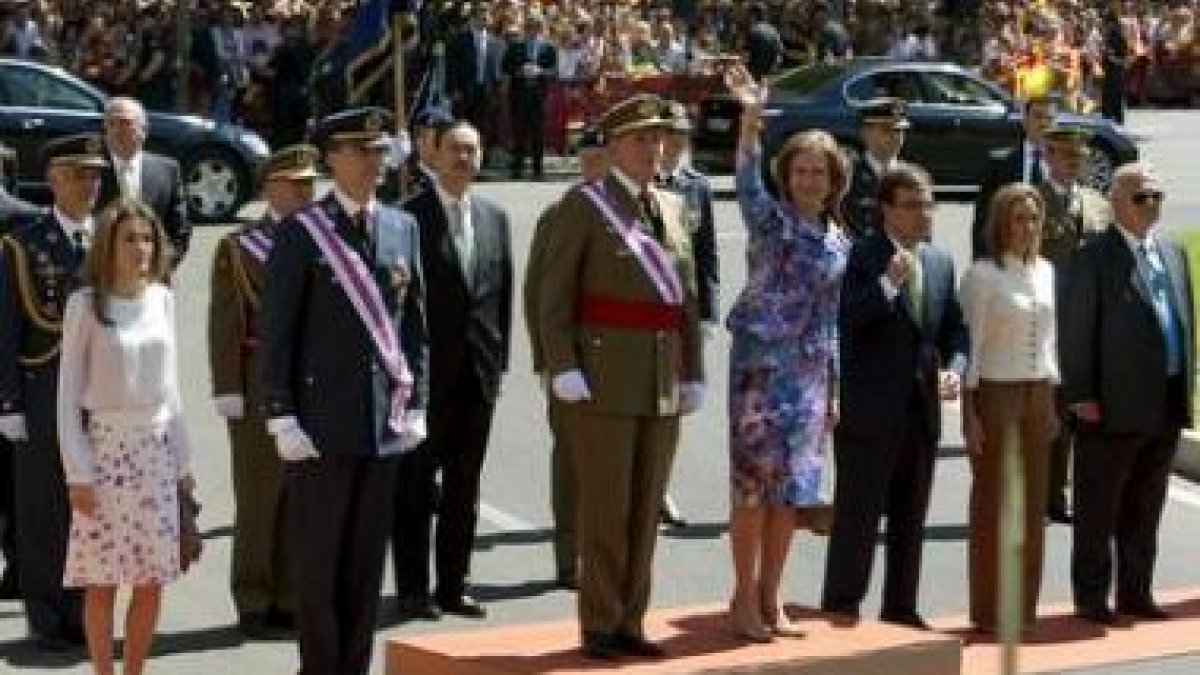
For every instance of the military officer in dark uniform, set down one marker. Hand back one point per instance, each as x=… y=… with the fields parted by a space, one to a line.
x=418 y=175
x=679 y=176
x=40 y=265
x=343 y=362
x=1074 y=213
x=259 y=580
x=12 y=211
x=882 y=123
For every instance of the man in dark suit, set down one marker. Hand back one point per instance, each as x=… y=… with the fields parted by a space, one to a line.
x=529 y=66
x=1074 y=214
x=1025 y=163
x=343 y=361
x=1127 y=334
x=472 y=75
x=40 y=265
x=136 y=173
x=882 y=123
x=468 y=270
x=903 y=349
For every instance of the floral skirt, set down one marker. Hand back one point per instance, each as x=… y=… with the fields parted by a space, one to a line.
x=778 y=399
x=132 y=538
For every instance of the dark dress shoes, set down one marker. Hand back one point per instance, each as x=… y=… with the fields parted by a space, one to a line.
x=637 y=645
x=1149 y=610
x=601 y=646
x=1099 y=615
x=410 y=608
x=463 y=605
x=909 y=619
x=281 y=620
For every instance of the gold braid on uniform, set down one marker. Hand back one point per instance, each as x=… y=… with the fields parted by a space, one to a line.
x=240 y=276
x=24 y=288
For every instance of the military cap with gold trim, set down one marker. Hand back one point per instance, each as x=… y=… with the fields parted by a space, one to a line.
x=294 y=162
x=366 y=127
x=887 y=110
x=78 y=150
x=1068 y=133
x=641 y=111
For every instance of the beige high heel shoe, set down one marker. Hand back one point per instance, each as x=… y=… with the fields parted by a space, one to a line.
x=747 y=624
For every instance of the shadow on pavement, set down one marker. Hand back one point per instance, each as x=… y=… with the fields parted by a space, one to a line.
x=199 y=640
x=23 y=653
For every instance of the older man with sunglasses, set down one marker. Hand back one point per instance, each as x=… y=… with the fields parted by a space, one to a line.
x=1126 y=342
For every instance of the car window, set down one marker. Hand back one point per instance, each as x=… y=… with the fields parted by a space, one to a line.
x=955 y=89
x=888 y=83
x=35 y=89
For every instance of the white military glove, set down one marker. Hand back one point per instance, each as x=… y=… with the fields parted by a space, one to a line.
x=415 y=430
x=691 y=397
x=13 y=428
x=231 y=406
x=571 y=387
x=292 y=444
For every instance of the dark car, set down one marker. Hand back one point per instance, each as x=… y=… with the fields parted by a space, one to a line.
x=40 y=102
x=958 y=118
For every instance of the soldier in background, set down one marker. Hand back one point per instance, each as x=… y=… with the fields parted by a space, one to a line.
x=1074 y=213
x=882 y=123
x=593 y=164
x=259 y=581
x=679 y=176
x=40 y=265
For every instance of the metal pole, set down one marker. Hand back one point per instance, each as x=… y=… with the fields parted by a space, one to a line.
x=400 y=107
x=1011 y=548
x=183 y=53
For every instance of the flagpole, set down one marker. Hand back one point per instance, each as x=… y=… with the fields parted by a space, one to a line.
x=398 y=23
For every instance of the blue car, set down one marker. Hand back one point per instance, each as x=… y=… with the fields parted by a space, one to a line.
x=958 y=118
x=40 y=102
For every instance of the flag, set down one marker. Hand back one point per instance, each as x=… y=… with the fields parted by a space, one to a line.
x=431 y=94
x=367 y=55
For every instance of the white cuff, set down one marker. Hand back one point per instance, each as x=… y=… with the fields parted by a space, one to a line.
x=889 y=289
x=278 y=425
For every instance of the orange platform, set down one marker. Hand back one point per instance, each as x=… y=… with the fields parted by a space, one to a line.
x=697 y=640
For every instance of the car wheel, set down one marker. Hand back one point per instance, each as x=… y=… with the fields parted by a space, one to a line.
x=1098 y=167
x=217 y=184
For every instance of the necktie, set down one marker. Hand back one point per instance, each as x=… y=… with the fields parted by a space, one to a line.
x=362 y=235
x=1155 y=274
x=650 y=211
x=1035 y=166
x=80 y=239
x=916 y=288
x=463 y=242
x=128 y=185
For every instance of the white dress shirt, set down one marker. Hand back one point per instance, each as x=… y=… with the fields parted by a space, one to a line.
x=462 y=228
x=1010 y=315
x=129 y=173
x=130 y=367
x=70 y=227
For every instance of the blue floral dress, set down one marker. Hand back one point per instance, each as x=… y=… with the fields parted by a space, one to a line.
x=783 y=360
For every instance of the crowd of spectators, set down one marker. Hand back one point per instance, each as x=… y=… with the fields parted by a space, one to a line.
x=240 y=49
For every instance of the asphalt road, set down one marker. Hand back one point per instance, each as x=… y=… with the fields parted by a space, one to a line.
x=513 y=566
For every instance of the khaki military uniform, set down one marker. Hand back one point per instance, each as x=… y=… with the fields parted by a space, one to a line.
x=259 y=580
x=1071 y=219
x=622 y=439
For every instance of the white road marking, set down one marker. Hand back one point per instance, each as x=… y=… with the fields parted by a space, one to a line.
x=1183 y=492
x=503 y=521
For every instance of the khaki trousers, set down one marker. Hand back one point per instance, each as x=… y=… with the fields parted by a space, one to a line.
x=622 y=464
x=1026 y=410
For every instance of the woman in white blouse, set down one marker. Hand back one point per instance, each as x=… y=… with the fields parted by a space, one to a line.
x=1008 y=401
x=125 y=449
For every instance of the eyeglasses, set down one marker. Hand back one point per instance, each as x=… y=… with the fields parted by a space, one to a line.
x=1144 y=197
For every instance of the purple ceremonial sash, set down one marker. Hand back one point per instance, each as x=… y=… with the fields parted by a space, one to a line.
x=650 y=254
x=360 y=287
x=256 y=244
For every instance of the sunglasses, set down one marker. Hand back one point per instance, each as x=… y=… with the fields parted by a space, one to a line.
x=1146 y=196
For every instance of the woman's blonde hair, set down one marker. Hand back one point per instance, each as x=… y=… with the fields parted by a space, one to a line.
x=838 y=165
x=99 y=267
x=1000 y=213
